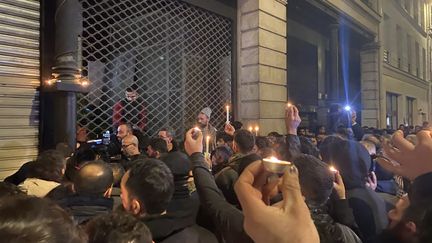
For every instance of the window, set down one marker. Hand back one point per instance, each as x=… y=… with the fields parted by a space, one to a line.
x=424 y=64
x=417 y=59
x=399 y=39
x=410 y=111
x=392 y=110
x=408 y=6
x=422 y=17
x=409 y=52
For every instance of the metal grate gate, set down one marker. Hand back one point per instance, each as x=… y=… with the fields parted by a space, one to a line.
x=178 y=55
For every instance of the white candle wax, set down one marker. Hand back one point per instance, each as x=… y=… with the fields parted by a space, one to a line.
x=227 y=113
x=207 y=144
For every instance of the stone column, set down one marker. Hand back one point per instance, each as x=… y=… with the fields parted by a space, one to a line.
x=58 y=97
x=372 y=100
x=262 y=90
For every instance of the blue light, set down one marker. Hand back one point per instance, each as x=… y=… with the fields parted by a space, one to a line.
x=347 y=108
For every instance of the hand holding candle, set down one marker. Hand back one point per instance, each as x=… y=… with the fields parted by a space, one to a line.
x=333 y=169
x=195 y=131
x=338 y=184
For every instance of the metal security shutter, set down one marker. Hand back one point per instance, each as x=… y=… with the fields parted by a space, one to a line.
x=177 y=54
x=19 y=79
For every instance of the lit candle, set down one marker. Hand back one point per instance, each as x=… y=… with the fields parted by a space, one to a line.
x=256 y=130
x=274 y=165
x=289 y=104
x=227 y=113
x=332 y=169
x=250 y=129
x=207 y=144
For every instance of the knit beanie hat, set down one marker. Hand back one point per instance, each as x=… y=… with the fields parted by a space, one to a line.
x=207 y=111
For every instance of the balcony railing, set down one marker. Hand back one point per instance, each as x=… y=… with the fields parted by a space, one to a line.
x=386 y=56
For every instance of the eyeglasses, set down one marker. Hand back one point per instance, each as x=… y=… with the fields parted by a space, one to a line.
x=126 y=145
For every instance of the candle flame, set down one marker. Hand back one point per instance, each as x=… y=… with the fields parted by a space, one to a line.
x=250 y=128
x=289 y=104
x=276 y=160
x=256 y=128
x=332 y=168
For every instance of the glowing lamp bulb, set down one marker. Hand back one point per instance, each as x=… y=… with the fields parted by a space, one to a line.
x=85 y=83
x=50 y=81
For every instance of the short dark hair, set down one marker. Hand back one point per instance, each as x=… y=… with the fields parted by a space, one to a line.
x=133 y=87
x=81 y=156
x=159 y=145
x=94 y=178
x=425 y=226
x=65 y=149
x=32 y=219
x=117 y=227
x=152 y=183
x=237 y=125
x=306 y=147
x=49 y=166
x=8 y=189
x=118 y=172
x=245 y=140
x=316 y=180
x=222 y=151
x=274 y=134
x=262 y=142
x=225 y=137
x=170 y=132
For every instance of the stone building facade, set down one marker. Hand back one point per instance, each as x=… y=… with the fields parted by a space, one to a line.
x=370 y=54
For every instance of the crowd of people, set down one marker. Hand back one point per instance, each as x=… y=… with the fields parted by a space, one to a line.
x=350 y=184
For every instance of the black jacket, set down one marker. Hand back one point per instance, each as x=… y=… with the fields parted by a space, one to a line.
x=358 y=132
x=227 y=218
x=227 y=177
x=341 y=212
x=83 y=208
x=178 y=224
x=21 y=175
x=293 y=147
x=129 y=162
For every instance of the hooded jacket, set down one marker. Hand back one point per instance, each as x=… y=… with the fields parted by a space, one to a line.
x=353 y=162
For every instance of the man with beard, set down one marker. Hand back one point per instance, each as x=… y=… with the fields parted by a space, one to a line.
x=130 y=110
x=206 y=128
